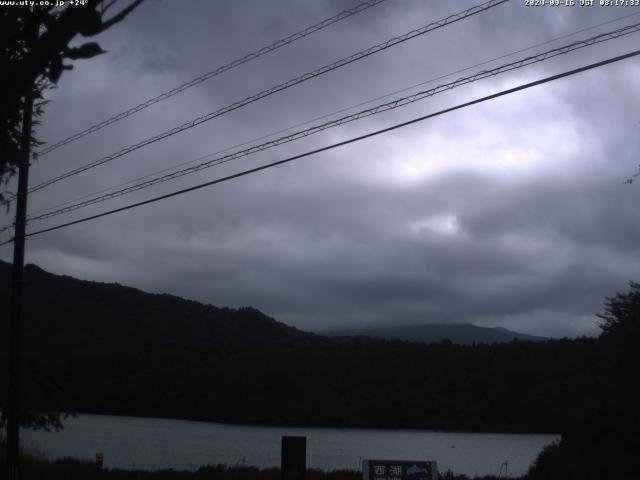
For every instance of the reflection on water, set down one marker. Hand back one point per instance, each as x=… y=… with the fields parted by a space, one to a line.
x=151 y=443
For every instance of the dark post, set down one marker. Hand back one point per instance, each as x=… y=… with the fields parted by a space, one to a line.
x=15 y=337
x=293 y=464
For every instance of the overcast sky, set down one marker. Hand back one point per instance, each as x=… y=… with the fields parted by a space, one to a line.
x=510 y=213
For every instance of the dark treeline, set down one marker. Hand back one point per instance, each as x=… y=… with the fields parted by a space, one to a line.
x=511 y=387
x=601 y=428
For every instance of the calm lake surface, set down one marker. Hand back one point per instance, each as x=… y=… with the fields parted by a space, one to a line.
x=151 y=443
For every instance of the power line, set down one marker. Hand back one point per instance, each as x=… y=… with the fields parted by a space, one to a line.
x=596 y=39
x=213 y=73
x=345 y=142
x=350 y=118
x=270 y=91
x=321 y=117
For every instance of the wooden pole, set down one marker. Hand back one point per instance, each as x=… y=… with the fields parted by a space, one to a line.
x=15 y=319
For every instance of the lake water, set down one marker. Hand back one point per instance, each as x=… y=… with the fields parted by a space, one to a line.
x=151 y=443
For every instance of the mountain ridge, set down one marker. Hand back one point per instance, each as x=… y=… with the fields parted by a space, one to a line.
x=120 y=317
x=63 y=312
x=459 y=333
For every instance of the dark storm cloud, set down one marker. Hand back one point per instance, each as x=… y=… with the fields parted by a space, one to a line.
x=510 y=213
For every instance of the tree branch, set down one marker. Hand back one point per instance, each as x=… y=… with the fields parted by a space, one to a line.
x=121 y=16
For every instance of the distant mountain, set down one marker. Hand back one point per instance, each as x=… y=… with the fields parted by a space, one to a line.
x=63 y=313
x=459 y=333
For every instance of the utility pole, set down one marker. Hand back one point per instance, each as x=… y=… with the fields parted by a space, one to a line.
x=15 y=320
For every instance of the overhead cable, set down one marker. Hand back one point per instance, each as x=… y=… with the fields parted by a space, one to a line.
x=321 y=117
x=349 y=118
x=270 y=91
x=339 y=144
x=213 y=73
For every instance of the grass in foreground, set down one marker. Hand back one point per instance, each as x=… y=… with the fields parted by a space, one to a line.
x=72 y=469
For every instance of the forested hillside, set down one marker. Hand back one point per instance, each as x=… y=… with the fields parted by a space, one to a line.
x=113 y=349
x=64 y=313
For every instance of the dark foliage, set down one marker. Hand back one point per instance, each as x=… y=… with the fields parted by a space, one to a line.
x=69 y=469
x=33 y=49
x=601 y=438
x=43 y=405
x=512 y=387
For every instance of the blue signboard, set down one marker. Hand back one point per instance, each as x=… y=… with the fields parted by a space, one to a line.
x=399 y=470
